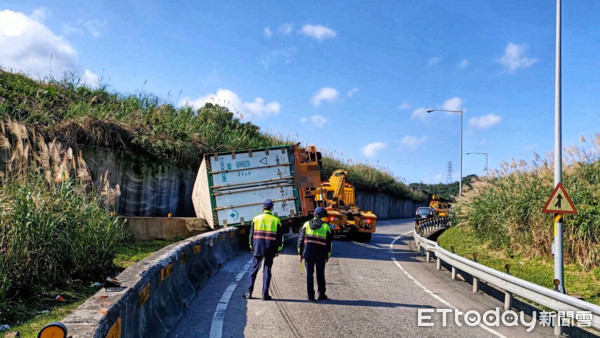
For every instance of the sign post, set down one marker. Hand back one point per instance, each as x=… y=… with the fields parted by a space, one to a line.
x=558 y=228
x=558 y=204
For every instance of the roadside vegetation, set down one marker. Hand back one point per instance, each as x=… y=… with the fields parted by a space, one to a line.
x=56 y=231
x=35 y=312
x=537 y=269
x=501 y=219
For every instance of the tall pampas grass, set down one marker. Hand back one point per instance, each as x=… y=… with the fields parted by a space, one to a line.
x=506 y=207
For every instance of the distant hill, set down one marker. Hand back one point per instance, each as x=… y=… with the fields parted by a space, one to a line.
x=447 y=191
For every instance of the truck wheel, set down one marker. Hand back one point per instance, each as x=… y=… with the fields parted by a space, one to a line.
x=364 y=237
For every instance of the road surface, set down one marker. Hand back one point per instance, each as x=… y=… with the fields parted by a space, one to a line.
x=375 y=289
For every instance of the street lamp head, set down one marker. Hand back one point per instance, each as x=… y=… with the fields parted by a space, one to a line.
x=430 y=110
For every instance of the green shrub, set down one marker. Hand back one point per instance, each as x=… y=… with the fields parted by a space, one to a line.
x=51 y=234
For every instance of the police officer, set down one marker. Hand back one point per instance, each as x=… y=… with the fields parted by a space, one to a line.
x=266 y=241
x=314 y=245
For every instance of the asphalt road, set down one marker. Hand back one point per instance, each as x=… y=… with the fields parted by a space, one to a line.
x=375 y=289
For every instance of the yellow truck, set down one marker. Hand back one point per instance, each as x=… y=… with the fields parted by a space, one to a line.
x=345 y=218
x=440 y=205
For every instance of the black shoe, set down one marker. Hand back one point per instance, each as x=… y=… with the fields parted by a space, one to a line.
x=247 y=295
x=310 y=299
x=323 y=297
x=266 y=297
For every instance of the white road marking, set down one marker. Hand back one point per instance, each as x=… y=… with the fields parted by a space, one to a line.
x=216 y=328
x=429 y=292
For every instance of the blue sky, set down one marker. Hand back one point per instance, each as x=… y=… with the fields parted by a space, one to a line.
x=352 y=77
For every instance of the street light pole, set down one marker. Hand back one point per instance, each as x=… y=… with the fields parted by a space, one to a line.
x=486 y=161
x=558 y=225
x=461 y=143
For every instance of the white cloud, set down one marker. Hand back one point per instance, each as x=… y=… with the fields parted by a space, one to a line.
x=258 y=108
x=372 y=149
x=286 y=29
x=29 y=46
x=455 y=103
x=434 y=61
x=267 y=32
x=81 y=27
x=315 y=120
x=412 y=142
x=419 y=113
x=247 y=111
x=404 y=106
x=277 y=56
x=325 y=94
x=318 y=32
x=90 y=79
x=484 y=122
x=352 y=92
x=39 y=14
x=513 y=58
x=462 y=64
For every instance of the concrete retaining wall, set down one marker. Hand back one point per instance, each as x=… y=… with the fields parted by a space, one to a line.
x=157 y=289
x=149 y=188
x=386 y=206
x=165 y=228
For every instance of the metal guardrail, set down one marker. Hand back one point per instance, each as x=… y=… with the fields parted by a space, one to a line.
x=431 y=224
x=510 y=284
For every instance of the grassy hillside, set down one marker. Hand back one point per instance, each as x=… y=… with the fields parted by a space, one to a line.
x=506 y=208
x=142 y=123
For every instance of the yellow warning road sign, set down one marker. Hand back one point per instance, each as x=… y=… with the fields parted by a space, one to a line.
x=559 y=202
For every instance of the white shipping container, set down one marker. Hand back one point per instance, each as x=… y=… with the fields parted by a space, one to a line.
x=230 y=188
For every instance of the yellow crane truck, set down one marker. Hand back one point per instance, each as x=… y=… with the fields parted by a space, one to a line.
x=345 y=218
x=440 y=205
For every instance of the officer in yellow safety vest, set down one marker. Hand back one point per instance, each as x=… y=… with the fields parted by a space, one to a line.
x=266 y=241
x=314 y=246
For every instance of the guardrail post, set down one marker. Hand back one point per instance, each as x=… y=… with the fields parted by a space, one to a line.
x=507 y=300
x=427 y=255
x=475 y=285
x=557 y=328
x=438 y=264
x=453 y=273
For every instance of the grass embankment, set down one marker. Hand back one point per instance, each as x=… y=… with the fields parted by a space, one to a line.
x=76 y=292
x=538 y=270
x=501 y=218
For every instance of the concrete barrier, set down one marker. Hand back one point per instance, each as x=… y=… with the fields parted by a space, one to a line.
x=156 y=289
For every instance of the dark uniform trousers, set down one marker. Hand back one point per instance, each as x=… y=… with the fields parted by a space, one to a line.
x=310 y=270
x=266 y=273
